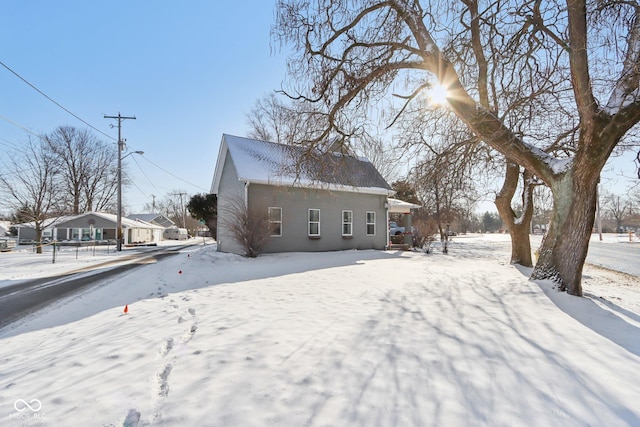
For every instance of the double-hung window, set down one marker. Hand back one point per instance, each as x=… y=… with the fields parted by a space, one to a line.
x=371 y=223
x=314 y=222
x=347 y=223
x=275 y=222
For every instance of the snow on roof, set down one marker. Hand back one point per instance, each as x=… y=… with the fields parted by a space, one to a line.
x=399 y=206
x=59 y=221
x=159 y=218
x=278 y=164
x=49 y=222
x=144 y=217
x=126 y=222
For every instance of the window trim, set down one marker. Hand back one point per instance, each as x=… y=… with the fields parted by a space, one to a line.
x=350 y=223
x=309 y=222
x=367 y=223
x=271 y=221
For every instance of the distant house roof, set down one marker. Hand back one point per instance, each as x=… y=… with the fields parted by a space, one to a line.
x=278 y=164
x=126 y=222
x=47 y=223
x=153 y=218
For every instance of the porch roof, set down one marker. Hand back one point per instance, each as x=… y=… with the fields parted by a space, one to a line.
x=400 y=207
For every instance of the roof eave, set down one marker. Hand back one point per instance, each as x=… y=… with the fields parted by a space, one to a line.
x=320 y=186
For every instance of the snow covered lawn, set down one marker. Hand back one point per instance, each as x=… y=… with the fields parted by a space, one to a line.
x=356 y=338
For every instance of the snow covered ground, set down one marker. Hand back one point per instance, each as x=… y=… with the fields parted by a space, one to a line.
x=354 y=338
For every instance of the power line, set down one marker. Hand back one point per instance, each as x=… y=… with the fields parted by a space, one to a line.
x=52 y=100
x=145 y=175
x=177 y=177
x=18 y=125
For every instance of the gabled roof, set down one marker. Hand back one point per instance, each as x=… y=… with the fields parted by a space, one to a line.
x=286 y=165
x=156 y=218
x=126 y=222
x=60 y=221
x=47 y=223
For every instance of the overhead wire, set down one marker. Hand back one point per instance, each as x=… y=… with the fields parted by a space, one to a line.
x=145 y=175
x=175 y=176
x=19 y=125
x=86 y=123
x=54 y=101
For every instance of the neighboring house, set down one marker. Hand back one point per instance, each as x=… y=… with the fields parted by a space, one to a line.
x=154 y=218
x=170 y=230
x=27 y=230
x=333 y=202
x=102 y=226
x=91 y=226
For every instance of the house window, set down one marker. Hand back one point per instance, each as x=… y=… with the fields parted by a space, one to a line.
x=347 y=223
x=275 y=222
x=314 y=222
x=371 y=223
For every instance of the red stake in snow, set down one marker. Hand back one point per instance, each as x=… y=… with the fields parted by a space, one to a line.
x=126 y=309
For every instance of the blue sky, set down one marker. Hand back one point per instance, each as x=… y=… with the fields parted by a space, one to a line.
x=188 y=72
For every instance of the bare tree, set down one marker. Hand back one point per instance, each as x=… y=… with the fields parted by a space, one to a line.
x=381 y=154
x=101 y=186
x=174 y=207
x=31 y=185
x=278 y=119
x=272 y=120
x=281 y=120
x=570 y=59
x=87 y=167
x=616 y=208
x=249 y=228
x=444 y=183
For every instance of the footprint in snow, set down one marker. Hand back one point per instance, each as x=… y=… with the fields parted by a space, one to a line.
x=166 y=347
x=187 y=336
x=163 y=380
x=132 y=419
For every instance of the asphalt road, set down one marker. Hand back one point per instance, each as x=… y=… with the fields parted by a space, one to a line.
x=24 y=298
x=622 y=256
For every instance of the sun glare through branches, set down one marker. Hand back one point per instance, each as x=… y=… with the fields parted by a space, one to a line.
x=438 y=95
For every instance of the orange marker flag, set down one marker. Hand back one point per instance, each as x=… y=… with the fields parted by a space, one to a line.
x=126 y=309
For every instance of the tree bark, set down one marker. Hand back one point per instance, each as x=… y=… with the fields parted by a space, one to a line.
x=564 y=247
x=519 y=227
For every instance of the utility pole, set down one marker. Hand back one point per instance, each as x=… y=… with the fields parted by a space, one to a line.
x=120 y=118
x=182 y=208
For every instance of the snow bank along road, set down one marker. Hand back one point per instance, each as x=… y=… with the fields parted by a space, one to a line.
x=20 y=299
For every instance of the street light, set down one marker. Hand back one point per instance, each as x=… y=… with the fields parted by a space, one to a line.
x=120 y=118
x=119 y=216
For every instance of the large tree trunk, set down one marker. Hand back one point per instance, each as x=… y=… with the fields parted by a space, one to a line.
x=518 y=226
x=564 y=247
x=38 y=239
